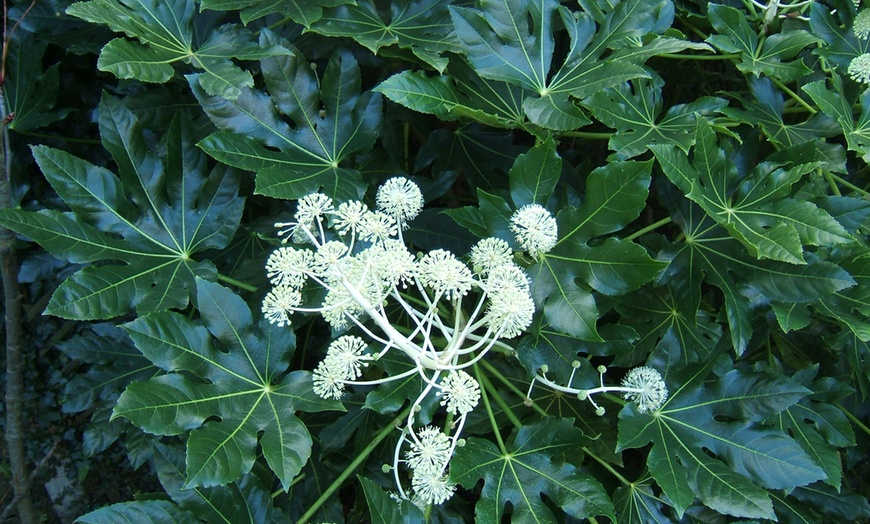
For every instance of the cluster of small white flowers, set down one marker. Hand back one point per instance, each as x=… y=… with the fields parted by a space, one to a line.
x=861 y=25
x=535 y=229
x=350 y=264
x=859 y=68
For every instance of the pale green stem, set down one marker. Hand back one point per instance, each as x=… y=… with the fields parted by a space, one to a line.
x=305 y=518
x=238 y=283
x=853 y=418
x=484 y=394
x=850 y=185
x=831 y=182
x=587 y=134
x=794 y=96
x=699 y=57
x=607 y=466
x=647 y=229
x=521 y=394
x=486 y=384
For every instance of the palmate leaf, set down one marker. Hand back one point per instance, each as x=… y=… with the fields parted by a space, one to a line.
x=30 y=92
x=422 y=27
x=303 y=12
x=153 y=220
x=385 y=510
x=634 y=110
x=773 y=57
x=819 y=427
x=756 y=208
x=836 y=105
x=842 y=44
x=708 y=442
x=165 y=33
x=331 y=122
x=532 y=464
x=637 y=503
x=512 y=41
x=615 y=195
x=710 y=254
x=143 y=511
x=767 y=111
x=240 y=377
x=667 y=313
x=246 y=501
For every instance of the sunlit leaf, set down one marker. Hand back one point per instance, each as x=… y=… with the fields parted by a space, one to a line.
x=331 y=122
x=154 y=219
x=240 y=377
x=533 y=464
x=164 y=34
x=707 y=442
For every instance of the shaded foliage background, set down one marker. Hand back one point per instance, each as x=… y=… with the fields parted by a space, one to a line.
x=706 y=163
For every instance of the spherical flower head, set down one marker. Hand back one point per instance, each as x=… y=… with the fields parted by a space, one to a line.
x=535 y=229
x=510 y=312
x=313 y=207
x=392 y=263
x=861 y=24
x=338 y=307
x=459 y=392
x=347 y=353
x=289 y=266
x=859 y=68
x=651 y=389
x=329 y=379
x=349 y=216
x=329 y=258
x=432 y=488
x=401 y=199
x=279 y=303
x=507 y=277
x=377 y=227
x=442 y=272
x=431 y=453
x=489 y=254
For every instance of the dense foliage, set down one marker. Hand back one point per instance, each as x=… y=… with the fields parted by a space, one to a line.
x=447 y=261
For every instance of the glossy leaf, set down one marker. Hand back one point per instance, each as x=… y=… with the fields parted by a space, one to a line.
x=422 y=27
x=534 y=464
x=332 y=121
x=512 y=42
x=165 y=34
x=834 y=104
x=304 y=12
x=772 y=56
x=30 y=92
x=144 y=511
x=635 y=110
x=722 y=418
x=154 y=219
x=246 y=387
x=767 y=111
x=755 y=208
x=712 y=255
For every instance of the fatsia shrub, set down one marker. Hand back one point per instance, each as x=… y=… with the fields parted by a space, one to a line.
x=444 y=261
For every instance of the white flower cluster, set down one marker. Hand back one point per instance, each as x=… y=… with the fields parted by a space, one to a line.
x=642 y=385
x=350 y=264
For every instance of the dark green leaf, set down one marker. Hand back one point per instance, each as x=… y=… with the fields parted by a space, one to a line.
x=144 y=511
x=386 y=510
x=722 y=419
x=332 y=120
x=535 y=465
x=634 y=110
x=166 y=35
x=165 y=211
x=246 y=387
